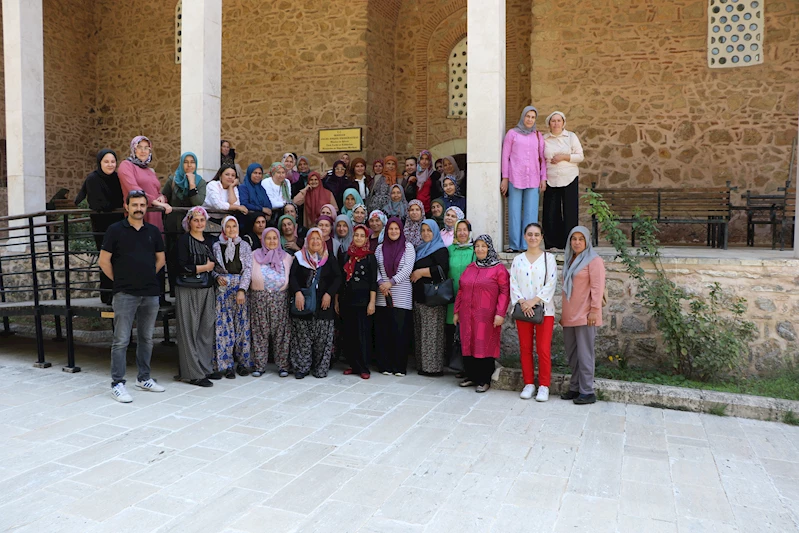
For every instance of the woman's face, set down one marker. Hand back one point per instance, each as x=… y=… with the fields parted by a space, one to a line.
x=424 y=161
x=533 y=237
x=287 y=227
x=439 y=165
x=377 y=168
x=391 y=165
x=529 y=119
x=359 y=215
x=231 y=229
x=289 y=164
x=450 y=218
x=349 y=201
x=449 y=170
x=279 y=175
x=376 y=225
x=288 y=209
x=556 y=124
x=342 y=229
x=302 y=166
x=359 y=237
x=257 y=175
x=142 y=150
x=427 y=233
x=415 y=212
x=272 y=241
x=315 y=243
x=325 y=227
x=228 y=177
x=396 y=195
x=480 y=250
x=189 y=165
x=393 y=231
x=360 y=169
x=437 y=209
x=340 y=170
x=327 y=211
x=313 y=181
x=462 y=233
x=259 y=225
x=108 y=163
x=197 y=223
x=225 y=148
x=578 y=243
x=449 y=187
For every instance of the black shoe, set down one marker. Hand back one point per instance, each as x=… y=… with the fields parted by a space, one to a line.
x=299 y=375
x=215 y=375
x=230 y=374
x=204 y=382
x=240 y=370
x=585 y=399
x=569 y=395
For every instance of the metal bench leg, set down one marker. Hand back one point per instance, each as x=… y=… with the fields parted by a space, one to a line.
x=40 y=362
x=724 y=228
x=6 y=328
x=167 y=341
x=71 y=368
x=59 y=337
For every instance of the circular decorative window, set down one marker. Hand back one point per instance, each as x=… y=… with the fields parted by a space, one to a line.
x=719 y=30
x=457 y=80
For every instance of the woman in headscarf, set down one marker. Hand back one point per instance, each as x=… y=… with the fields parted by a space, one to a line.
x=227 y=156
x=533 y=277
x=581 y=315
x=195 y=309
x=452 y=196
x=359 y=214
x=313 y=198
x=312 y=334
x=303 y=171
x=135 y=174
x=377 y=223
x=524 y=170
x=252 y=194
x=431 y=266
x=269 y=305
x=222 y=194
x=424 y=186
x=480 y=308
x=382 y=182
x=234 y=270
x=395 y=258
x=330 y=210
x=104 y=194
x=359 y=179
x=277 y=188
x=253 y=237
x=413 y=225
x=355 y=302
x=451 y=217
x=291 y=209
x=461 y=255
x=563 y=153
x=336 y=182
x=290 y=240
x=325 y=225
x=437 y=208
x=342 y=238
x=397 y=205
x=351 y=199
x=290 y=164
x=450 y=169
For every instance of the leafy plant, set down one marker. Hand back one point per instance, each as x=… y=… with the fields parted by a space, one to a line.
x=790 y=418
x=718 y=410
x=704 y=337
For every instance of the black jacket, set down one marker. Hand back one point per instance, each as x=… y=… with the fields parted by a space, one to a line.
x=329 y=283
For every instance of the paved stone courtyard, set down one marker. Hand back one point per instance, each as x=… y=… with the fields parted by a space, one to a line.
x=389 y=454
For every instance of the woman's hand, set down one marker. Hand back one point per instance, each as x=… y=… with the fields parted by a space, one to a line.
x=267 y=211
x=498 y=321
x=241 y=297
x=222 y=281
x=335 y=306
x=325 y=302
x=299 y=301
x=385 y=288
x=292 y=246
x=416 y=275
x=593 y=318
x=209 y=266
x=370 y=309
x=543 y=186
x=557 y=158
x=243 y=210
x=455 y=319
x=503 y=186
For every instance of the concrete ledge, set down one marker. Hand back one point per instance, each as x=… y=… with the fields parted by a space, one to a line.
x=664 y=396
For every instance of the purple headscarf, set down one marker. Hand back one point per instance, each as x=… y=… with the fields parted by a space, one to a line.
x=135 y=160
x=265 y=256
x=197 y=210
x=393 y=250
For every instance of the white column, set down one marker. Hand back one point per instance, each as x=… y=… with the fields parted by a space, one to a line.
x=24 y=93
x=485 y=123
x=201 y=83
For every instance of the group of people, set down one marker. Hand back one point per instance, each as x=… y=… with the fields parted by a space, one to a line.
x=309 y=266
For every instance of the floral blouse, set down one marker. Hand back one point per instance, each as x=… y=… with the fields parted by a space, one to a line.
x=537 y=279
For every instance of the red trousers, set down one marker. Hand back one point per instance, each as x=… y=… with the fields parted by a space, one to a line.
x=543 y=347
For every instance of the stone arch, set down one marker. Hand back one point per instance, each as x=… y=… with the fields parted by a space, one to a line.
x=451 y=147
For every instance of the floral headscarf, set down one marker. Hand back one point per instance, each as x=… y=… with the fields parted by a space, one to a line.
x=310 y=260
x=383 y=218
x=135 y=160
x=492 y=258
x=356 y=253
x=190 y=214
x=413 y=230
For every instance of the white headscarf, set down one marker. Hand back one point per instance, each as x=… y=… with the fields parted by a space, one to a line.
x=229 y=244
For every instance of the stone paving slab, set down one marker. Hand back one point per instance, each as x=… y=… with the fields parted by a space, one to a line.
x=411 y=454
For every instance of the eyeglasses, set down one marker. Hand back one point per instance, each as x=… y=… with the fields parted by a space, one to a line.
x=143 y=148
x=137 y=193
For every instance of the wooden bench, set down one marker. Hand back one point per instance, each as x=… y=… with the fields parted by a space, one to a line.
x=708 y=206
x=762 y=210
x=788 y=215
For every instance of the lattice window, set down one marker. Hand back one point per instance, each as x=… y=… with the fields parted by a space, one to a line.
x=735 y=33
x=178 y=31
x=457 y=80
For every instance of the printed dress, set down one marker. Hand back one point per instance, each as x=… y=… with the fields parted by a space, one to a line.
x=269 y=313
x=232 y=319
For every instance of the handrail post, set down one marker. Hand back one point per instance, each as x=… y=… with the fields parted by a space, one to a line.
x=37 y=316
x=71 y=368
x=48 y=235
x=6 y=325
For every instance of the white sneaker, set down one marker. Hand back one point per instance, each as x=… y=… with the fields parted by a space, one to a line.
x=149 y=385
x=543 y=394
x=527 y=392
x=120 y=393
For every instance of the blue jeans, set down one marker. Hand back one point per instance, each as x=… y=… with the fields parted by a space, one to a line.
x=145 y=310
x=522 y=210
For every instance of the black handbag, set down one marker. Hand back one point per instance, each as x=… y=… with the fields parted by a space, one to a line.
x=201 y=280
x=309 y=294
x=538 y=309
x=441 y=293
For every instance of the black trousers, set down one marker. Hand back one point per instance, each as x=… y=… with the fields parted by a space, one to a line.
x=393 y=329
x=100 y=224
x=561 y=213
x=479 y=369
x=357 y=329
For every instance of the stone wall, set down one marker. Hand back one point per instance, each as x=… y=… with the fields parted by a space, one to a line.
x=381 y=32
x=771 y=288
x=633 y=80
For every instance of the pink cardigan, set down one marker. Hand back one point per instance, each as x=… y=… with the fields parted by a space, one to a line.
x=523 y=160
x=588 y=286
x=132 y=178
x=257 y=280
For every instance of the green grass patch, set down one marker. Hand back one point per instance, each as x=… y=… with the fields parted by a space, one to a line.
x=790 y=418
x=718 y=410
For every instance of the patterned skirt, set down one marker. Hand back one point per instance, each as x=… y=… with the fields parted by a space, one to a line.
x=195 y=313
x=312 y=345
x=269 y=318
x=428 y=331
x=232 y=327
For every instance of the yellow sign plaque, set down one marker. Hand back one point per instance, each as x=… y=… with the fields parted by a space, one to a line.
x=341 y=140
